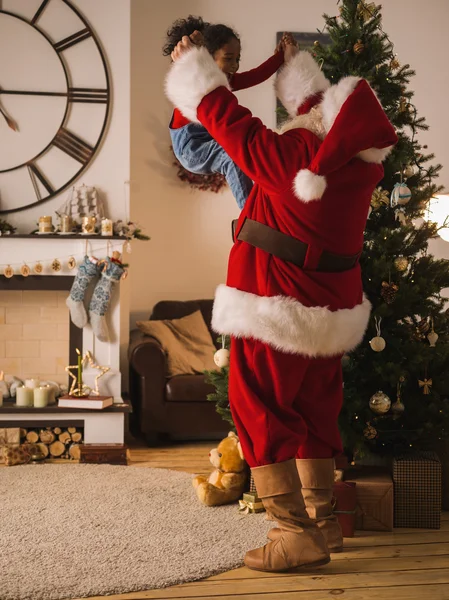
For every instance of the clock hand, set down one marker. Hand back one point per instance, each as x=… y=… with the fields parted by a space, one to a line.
x=27 y=93
x=11 y=123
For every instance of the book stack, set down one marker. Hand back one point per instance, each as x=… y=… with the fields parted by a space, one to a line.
x=88 y=403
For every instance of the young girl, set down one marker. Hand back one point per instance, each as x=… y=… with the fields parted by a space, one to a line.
x=192 y=144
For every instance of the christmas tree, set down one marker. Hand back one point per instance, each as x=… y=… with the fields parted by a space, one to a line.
x=397 y=380
x=399 y=356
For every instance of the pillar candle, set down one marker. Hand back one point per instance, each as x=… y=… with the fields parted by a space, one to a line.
x=41 y=397
x=24 y=396
x=32 y=383
x=51 y=394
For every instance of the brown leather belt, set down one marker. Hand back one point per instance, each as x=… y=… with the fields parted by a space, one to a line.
x=288 y=248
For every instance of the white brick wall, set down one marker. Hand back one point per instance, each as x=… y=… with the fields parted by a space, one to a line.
x=34 y=334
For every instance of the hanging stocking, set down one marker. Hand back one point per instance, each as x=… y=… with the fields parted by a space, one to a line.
x=111 y=273
x=87 y=271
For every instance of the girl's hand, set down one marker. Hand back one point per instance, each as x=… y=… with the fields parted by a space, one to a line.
x=197 y=38
x=182 y=47
x=289 y=45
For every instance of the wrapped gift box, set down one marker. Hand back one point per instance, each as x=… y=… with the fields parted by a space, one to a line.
x=374 y=492
x=417 y=490
x=251 y=503
x=345 y=503
x=442 y=449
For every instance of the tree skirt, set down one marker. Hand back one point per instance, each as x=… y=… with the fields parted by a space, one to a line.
x=69 y=531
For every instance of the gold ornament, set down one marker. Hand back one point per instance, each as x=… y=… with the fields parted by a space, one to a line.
x=93 y=365
x=378 y=344
x=56 y=265
x=402 y=104
x=38 y=268
x=358 y=47
x=8 y=272
x=394 y=64
x=71 y=263
x=380 y=197
x=426 y=385
x=401 y=263
x=316 y=43
x=25 y=270
x=422 y=329
x=380 y=403
x=389 y=291
x=397 y=407
x=370 y=432
x=366 y=10
x=433 y=338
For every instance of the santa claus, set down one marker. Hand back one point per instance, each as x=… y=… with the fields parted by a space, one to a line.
x=293 y=302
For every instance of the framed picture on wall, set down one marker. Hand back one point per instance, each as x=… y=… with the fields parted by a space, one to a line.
x=305 y=41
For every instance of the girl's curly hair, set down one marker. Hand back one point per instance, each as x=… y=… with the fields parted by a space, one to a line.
x=215 y=36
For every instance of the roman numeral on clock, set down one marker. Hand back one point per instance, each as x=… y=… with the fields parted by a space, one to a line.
x=39 y=11
x=71 y=40
x=36 y=174
x=72 y=145
x=88 y=95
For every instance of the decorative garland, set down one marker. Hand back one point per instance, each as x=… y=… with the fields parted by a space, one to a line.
x=211 y=182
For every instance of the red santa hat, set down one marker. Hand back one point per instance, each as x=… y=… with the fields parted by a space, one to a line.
x=353 y=119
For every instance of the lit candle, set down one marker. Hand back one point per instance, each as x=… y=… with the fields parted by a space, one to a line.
x=24 y=396
x=32 y=383
x=41 y=397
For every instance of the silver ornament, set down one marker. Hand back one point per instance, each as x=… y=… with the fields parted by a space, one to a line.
x=401 y=194
x=221 y=358
x=380 y=403
x=409 y=171
x=378 y=343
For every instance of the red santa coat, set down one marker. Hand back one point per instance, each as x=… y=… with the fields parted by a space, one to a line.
x=313 y=182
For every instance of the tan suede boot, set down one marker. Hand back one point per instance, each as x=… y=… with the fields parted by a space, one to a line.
x=300 y=543
x=317 y=478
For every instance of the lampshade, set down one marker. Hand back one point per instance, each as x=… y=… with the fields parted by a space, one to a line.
x=438 y=212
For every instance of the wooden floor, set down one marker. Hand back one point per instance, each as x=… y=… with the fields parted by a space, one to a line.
x=408 y=564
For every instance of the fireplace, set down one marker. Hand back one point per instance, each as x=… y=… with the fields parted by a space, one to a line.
x=44 y=295
x=37 y=337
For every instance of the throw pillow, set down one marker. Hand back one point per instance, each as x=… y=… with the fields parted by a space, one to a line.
x=187 y=343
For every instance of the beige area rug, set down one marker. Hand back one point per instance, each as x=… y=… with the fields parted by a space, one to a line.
x=68 y=531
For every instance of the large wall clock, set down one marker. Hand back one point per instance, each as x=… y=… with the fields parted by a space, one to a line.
x=54 y=99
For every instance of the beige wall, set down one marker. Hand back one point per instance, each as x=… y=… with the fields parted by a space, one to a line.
x=191 y=230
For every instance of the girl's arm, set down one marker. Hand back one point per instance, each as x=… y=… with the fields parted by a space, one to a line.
x=242 y=81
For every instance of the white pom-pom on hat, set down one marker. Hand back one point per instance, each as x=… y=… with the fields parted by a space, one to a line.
x=308 y=186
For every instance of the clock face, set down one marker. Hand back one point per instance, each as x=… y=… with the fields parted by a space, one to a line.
x=54 y=99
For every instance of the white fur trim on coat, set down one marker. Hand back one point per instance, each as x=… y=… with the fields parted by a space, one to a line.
x=192 y=77
x=308 y=186
x=287 y=325
x=333 y=100
x=299 y=79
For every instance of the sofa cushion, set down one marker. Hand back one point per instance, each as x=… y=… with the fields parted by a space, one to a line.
x=188 y=388
x=187 y=343
x=176 y=309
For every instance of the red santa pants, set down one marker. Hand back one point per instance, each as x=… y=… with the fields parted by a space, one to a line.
x=284 y=405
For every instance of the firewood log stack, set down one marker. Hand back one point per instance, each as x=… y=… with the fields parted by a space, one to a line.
x=55 y=442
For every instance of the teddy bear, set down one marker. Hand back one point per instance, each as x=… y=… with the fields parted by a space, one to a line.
x=227 y=482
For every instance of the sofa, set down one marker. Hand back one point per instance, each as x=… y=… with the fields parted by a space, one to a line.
x=175 y=407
